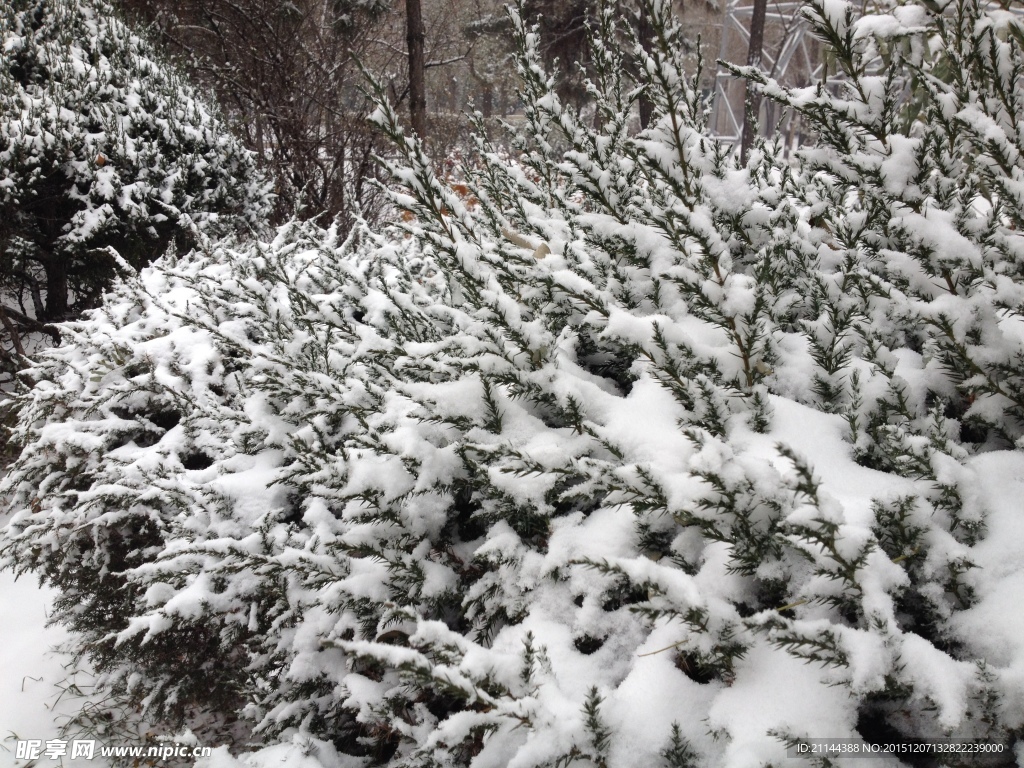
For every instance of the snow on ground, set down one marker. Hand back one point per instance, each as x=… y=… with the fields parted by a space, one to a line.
x=32 y=673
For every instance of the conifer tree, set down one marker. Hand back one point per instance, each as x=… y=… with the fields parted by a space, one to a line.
x=102 y=146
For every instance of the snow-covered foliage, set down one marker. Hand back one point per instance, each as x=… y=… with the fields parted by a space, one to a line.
x=919 y=195
x=638 y=458
x=102 y=146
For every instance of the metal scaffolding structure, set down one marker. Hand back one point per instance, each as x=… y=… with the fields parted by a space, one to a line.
x=791 y=55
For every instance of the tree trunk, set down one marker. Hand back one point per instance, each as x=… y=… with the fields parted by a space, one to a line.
x=56 y=291
x=487 y=102
x=417 y=81
x=752 y=102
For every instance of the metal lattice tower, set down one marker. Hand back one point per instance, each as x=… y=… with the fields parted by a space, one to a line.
x=791 y=55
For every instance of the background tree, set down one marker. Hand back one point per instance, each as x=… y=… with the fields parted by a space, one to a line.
x=103 y=149
x=415 y=36
x=563 y=31
x=751 y=100
x=286 y=75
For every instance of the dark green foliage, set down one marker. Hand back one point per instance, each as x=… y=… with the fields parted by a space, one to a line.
x=107 y=161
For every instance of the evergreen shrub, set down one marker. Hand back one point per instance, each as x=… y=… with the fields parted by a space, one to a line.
x=107 y=160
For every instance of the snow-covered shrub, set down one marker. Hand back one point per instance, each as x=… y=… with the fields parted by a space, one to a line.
x=919 y=190
x=567 y=475
x=102 y=145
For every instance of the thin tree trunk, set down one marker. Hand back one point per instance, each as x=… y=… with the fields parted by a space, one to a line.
x=487 y=102
x=416 y=36
x=752 y=102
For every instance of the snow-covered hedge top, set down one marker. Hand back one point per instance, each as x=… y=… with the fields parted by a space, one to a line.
x=647 y=459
